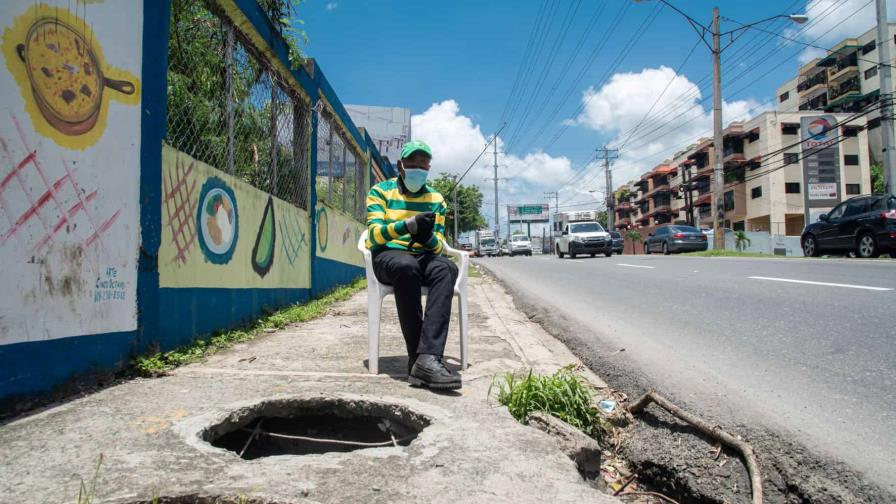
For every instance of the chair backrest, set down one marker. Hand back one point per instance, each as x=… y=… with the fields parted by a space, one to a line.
x=368 y=260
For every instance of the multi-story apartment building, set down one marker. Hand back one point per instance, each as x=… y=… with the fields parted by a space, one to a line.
x=763 y=170
x=845 y=80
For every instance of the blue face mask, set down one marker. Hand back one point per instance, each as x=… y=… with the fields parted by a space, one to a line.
x=414 y=178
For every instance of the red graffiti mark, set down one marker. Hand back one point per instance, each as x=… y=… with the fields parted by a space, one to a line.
x=23 y=163
x=103 y=228
x=51 y=195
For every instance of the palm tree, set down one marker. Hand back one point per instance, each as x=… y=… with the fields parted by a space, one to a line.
x=633 y=236
x=741 y=242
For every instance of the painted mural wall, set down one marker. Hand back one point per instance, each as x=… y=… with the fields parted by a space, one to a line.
x=337 y=236
x=69 y=168
x=218 y=231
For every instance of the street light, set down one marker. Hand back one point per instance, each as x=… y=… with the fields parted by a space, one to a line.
x=718 y=143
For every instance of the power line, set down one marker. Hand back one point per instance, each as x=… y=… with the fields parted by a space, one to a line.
x=546 y=68
x=699 y=104
x=671 y=109
x=519 y=73
x=573 y=87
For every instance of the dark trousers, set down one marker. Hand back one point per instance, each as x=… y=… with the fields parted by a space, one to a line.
x=407 y=273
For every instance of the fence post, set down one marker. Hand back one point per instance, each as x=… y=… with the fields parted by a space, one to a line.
x=228 y=85
x=330 y=164
x=274 y=141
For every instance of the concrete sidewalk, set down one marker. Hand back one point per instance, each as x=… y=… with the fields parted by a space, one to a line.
x=148 y=430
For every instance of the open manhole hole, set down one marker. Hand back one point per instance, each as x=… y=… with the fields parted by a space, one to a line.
x=314 y=426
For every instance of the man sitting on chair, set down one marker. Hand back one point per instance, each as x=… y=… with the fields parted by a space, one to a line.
x=406 y=226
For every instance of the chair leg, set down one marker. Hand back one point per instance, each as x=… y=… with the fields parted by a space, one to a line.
x=374 y=305
x=464 y=333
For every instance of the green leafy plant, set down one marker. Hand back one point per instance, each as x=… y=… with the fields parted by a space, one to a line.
x=158 y=363
x=741 y=241
x=563 y=394
x=633 y=236
x=877 y=178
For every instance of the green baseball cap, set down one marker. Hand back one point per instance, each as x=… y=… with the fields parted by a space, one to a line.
x=414 y=146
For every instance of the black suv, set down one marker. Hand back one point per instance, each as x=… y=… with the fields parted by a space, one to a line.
x=865 y=225
x=618 y=246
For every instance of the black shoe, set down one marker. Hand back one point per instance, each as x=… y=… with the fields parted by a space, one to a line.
x=430 y=371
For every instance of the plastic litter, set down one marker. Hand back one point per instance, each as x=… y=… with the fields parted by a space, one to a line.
x=607 y=405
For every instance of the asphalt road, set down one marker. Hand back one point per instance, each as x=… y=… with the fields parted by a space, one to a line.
x=814 y=361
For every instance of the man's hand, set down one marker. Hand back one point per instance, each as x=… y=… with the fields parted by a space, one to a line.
x=421 y=226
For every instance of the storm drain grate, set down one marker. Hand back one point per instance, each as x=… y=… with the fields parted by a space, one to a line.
x=315 y=426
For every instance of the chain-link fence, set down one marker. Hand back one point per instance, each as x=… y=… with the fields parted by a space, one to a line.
x=340 y=169
x=228 y=108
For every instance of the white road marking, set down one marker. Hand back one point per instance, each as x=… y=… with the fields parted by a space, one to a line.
x=848 y=286
x=635 y=266
x=574 y=260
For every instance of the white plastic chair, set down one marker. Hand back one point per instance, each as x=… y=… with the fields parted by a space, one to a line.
x=377 y=291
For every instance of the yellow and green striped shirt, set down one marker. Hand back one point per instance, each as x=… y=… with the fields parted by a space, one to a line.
x=388 y=207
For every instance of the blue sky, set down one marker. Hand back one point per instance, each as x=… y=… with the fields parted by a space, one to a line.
x=454 y=65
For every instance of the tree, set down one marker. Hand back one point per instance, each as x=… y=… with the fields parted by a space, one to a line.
x=602 y=218
x=877 y=178
x=469 y=201
x=633 y=236
x=741 y=242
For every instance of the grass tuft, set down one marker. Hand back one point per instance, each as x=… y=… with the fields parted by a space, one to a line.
x=158 y=363
x=563 y=394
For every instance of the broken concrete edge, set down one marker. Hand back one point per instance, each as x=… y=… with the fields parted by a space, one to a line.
x=577 y=445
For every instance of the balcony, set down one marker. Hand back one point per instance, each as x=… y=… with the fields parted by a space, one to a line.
x=842 y=69
x=656 y=190
x=847 y=92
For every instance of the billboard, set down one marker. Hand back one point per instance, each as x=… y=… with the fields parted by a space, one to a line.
x=538 y=212
x=821 y=164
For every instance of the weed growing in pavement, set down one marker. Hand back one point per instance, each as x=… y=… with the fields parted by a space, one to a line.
x=563 y=394
x=158 y=363
x=86 y=496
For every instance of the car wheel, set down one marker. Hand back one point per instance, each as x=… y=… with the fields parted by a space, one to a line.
x=665 y=248
x=609 y=254
x=866 y=247
x=646 y=249
x=592 y=255
x=572 y=255
x=810 y=246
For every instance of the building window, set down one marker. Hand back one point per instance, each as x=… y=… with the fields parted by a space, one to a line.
x=790 y=129
x=729 y=201
x=870 y=46
x=792 y=187
x=850 y=132
x=853 y=189
x=871 y=72
x=753 y=136
x=783 y=98
x=851 y=160
x=791 y=158
x=756 y=192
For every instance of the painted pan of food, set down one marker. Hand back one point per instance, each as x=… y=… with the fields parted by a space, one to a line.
x=66 y=77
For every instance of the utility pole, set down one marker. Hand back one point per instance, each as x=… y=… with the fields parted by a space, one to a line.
x=556 y=196
x=497 y=218
x=886 y=95
x=611 y=213
x=718 y=184
x=454 y=204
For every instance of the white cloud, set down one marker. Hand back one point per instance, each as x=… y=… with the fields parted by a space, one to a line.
x=456 y=141
x=831 y=21
x=332 y=6
x=677 y=120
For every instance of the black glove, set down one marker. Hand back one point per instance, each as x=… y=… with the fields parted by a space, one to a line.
x=421 y=227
